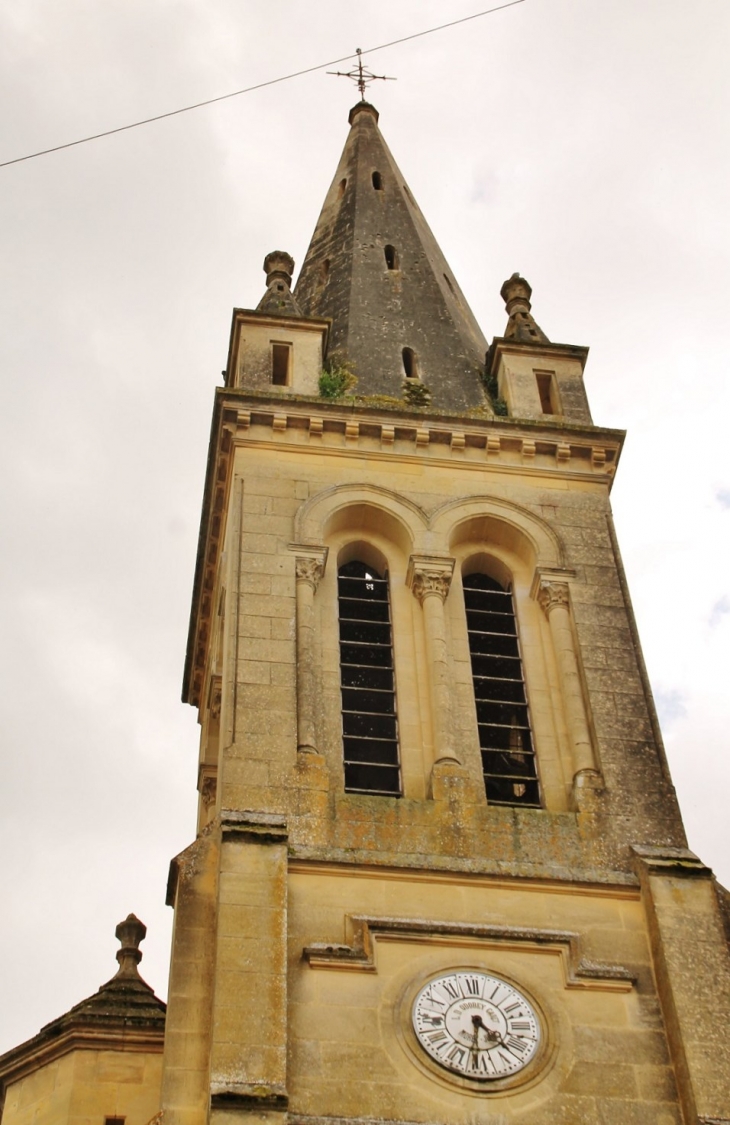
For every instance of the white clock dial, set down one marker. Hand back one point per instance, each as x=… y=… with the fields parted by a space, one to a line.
x=476 y=1025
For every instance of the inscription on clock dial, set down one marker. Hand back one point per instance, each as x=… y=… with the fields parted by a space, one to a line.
x=476 y=1025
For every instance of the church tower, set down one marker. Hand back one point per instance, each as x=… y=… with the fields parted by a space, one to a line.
x=440 y=874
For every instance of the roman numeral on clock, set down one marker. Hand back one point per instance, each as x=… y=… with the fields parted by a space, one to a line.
x=451 y=989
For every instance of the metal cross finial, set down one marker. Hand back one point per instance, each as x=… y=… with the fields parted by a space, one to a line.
x=361 y=75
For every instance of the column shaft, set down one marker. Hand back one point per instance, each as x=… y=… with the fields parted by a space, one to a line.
x=436 y=654
x=430 y=577
x=554 y=600
x=309 y=570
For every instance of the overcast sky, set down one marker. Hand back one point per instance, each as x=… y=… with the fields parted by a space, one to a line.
x=581 y=142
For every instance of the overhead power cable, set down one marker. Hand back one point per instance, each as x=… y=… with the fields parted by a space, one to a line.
x=257 y=86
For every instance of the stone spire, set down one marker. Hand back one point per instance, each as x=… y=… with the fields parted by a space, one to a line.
x=521 y=326
x=278 y=299
x=375 y=269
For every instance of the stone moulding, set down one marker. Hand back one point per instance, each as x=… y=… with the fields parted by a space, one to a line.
x=580 y=972
x=672 y=861
x=582 y=456
x=247 y=826
x=35 y=1053
x=305 y=1119
x=248 y=1097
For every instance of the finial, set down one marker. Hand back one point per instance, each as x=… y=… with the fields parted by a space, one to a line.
x=516 y=293
x=361 y=75
x=130 y=933
x=279 y=266
x=521 y=326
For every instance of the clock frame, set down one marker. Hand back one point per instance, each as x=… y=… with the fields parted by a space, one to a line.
x=476 y=1025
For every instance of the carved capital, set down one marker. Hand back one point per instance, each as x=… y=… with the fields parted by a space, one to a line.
x=215 y=697
x=425 y=582
x=429 y=575
x=311 y=560
x=208 y=787
x=552 y=594
x=309 y=570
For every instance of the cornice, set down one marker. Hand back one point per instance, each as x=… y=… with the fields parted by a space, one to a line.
x=41 y=1050
x=359 y=952
x=501 y=346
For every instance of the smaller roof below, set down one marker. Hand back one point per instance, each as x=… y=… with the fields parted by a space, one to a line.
x=126 y=998
x=124 y=1005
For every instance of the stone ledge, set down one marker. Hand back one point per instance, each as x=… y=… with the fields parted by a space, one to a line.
x=671 y=861
x=253 y=827
x=580 y=972
x=306 y=1119
x=248 y=1097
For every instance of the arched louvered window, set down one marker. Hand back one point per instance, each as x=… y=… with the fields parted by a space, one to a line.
x=505 y=738
x=369 y=725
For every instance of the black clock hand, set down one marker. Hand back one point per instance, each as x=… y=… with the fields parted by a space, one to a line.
x=492 y=1036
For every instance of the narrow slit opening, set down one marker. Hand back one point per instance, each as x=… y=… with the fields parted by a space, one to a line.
x=410 y=363
x=546 y=390
x=391 y=257
x=280 y=363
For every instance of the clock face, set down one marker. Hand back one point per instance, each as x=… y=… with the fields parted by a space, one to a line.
x=476 y=1025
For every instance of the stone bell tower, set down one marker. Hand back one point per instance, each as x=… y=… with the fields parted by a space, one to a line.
x=440 y=874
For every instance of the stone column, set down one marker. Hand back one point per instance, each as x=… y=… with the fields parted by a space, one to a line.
x=309 y=570
x=430 y=579
x=554 y=598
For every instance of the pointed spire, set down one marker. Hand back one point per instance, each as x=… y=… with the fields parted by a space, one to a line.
x=278 y=299
x=521 y=326
x=375 y=270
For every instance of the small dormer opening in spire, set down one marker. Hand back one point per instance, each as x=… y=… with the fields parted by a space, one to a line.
x=377 y=181
x=391 y=258
x=341 y=187
x=410 y=363
x=325 y=268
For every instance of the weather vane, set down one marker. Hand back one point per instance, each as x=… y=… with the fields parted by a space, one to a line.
x=361 y=75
